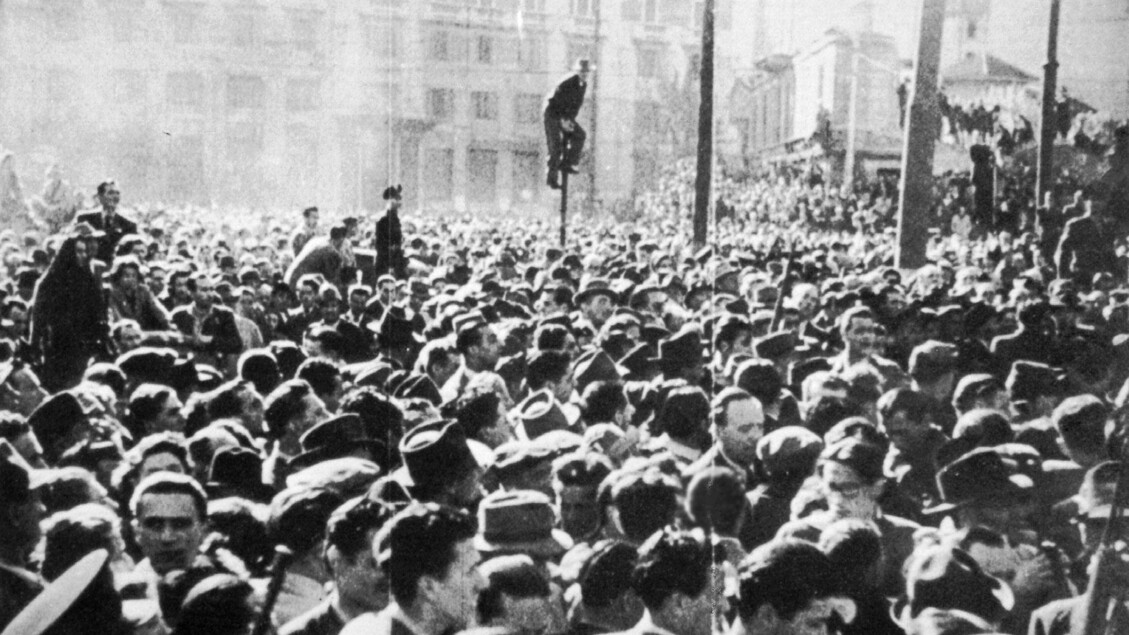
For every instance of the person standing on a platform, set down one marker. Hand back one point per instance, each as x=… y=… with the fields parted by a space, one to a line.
x=561 y=108
x=389 y=239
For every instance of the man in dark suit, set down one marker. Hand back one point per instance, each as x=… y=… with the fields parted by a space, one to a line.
x=1029 y=342
x=561 y=108
x=108 y=220
x=1084 y=248
x=389 y=238
x=208 y=325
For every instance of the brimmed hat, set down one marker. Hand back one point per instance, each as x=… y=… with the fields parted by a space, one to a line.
x=520 y=521
x=946 y=577
x=595 y=365
x=684 y=346
x=1097 y=495
x=982 y=475
x=335 y=438
x=433 y=453
x=59 y=596
x=237 y=471
x=595 y=287
x=540 y=414
x=1030 y=380
x=419 y=386
x=394 y=330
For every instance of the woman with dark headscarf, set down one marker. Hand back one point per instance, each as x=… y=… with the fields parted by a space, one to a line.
x=68 y=316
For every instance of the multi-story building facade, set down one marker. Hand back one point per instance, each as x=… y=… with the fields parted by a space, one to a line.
x=296 y=102
x=803 y=105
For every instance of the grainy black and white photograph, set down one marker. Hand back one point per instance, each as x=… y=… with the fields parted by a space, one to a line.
x=564 y=317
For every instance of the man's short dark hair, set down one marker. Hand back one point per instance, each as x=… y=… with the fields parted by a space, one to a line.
x=170 y=483
x=602 y=400
x=519 y=579
x=551 y=337
x=546 y=366
x=854 y=313
x=380 y=414
x=719 y=407
x=420 y=541
x=468 y=338
x=646 y=500
x=607 y=573
x=829 y=410
x=283 y=403
x=786 y=575
x=349 y=526
x=730 y=330
x=670 y=562
x=226 y=401
x=715 y=499
x=916 y=405
x=478 y=411
x=146 y=403
x=321 y=374
x=105 y=185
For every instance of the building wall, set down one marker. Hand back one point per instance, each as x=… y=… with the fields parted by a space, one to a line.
x=782 y=101
x=296 y=102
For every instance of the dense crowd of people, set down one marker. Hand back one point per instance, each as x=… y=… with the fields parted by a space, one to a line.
x=433 y=425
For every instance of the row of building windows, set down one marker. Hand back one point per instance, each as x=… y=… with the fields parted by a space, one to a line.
x=484 y=105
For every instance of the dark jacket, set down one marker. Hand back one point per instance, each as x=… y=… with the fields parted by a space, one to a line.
x=219 y=323
x=566 y=99
x=117 y=227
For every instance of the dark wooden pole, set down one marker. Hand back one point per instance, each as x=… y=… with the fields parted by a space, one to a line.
x=916 y=196
x=564 y=205
x=1048 y=129
x=705 y=132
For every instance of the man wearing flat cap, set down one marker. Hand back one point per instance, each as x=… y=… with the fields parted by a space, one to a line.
x=389 y=238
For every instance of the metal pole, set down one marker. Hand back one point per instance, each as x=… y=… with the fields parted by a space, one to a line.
x=1048 y=130
x=705 y=132
x=564 y=205
x=921 y=133
x=852 y=120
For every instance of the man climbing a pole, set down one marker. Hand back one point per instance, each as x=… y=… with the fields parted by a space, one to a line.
x=561 y=108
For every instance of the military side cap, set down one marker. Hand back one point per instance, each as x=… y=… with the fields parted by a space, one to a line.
x=595 y=366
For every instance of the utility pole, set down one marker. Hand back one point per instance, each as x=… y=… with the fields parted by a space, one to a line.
x=705 y=132
x=564 y=206
x=852 y=120
x=921 y=133
x=1047 y=128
